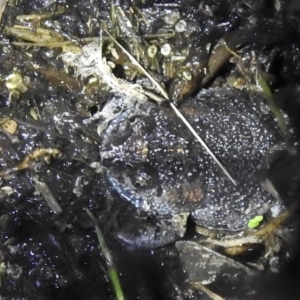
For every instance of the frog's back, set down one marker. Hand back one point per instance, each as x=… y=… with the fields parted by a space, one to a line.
x=241 y=131
x=237 y=125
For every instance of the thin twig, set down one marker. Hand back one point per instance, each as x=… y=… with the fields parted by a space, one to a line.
x=264 y=87
x=44 y=190
x=200 y=287
x=2 y=7
x=29 y=159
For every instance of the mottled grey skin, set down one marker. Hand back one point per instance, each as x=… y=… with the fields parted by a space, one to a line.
x=154 y=162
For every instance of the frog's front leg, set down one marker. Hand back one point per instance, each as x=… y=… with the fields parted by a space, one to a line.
x=146 y=192
x=158 y=211
x=152 y=232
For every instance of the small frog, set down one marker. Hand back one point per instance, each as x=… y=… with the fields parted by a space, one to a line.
x=153 y=161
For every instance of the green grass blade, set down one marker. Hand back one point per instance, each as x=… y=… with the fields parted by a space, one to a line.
x=111 y=269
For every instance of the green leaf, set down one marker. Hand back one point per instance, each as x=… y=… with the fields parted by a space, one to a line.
x=254 y=222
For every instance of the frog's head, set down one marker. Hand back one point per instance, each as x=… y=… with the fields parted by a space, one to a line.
x=124 y=139
x=123 y=154
x=145 y=166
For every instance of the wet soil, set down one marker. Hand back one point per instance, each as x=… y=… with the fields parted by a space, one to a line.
x=55 y=255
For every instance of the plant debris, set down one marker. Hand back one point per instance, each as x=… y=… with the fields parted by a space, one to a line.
x=68 y=70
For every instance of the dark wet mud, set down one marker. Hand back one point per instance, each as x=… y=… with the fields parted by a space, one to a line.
x=54 y=109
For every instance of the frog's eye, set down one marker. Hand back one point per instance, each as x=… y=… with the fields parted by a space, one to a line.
x=142 y=179
x=119 y=130
x=140 y=183
x=133 y=119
